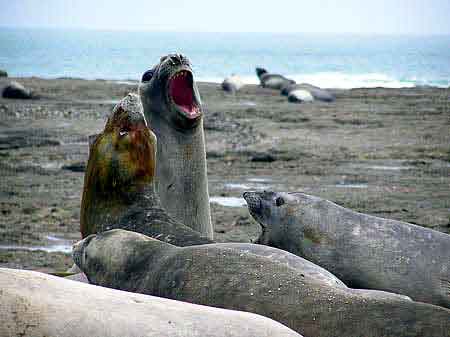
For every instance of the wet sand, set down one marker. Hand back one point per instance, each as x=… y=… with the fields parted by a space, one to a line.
x=384 y=152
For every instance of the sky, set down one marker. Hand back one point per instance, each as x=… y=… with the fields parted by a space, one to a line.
x=312 y=16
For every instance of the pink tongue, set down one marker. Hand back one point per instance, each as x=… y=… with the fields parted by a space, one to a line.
x=181 y=93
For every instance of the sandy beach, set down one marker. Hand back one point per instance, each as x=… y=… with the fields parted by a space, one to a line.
x=384 y=152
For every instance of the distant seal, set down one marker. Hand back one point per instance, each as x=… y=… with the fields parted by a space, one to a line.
x=362 y=250
x=318 y=93
x=231 y=279
x=272 y=81
x=38 y=305
x=119 y=183
x=232 y=84
x=300 y=96
x=173 y=108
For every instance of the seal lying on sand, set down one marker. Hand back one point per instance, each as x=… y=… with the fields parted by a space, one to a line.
x=173 y=108
x=232 y=279
x=272 y=81
x=38 y=305
x=300 y=96
x=119 y=183
x=232 y=84
x=316 y=92
x=362 y=250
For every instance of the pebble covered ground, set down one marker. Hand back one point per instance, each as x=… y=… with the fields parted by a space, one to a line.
x=384 y=152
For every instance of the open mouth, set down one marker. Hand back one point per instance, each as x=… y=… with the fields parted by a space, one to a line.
x=182 y=94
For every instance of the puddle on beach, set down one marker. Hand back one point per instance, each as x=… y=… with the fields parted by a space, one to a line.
x=228 y=201
x=67 y=249
x=250 y=184
x=352 y=185
x=60 y=246
x=387 y=168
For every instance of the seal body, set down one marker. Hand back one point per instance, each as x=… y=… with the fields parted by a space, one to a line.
x=318 y=93
x=173 y=108
x=226 y=278
x=232 y=84
x=362 y=250
x=300 y=96
x=119 y=185
x=38 y=305
x=272 y=81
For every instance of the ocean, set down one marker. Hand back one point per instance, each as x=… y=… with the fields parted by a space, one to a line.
x=326 y=60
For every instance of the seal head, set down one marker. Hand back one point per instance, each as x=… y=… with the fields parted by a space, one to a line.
x=169 y=88
x=121 y=165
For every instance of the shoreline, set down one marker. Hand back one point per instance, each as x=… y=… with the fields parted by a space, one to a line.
x=253 y=82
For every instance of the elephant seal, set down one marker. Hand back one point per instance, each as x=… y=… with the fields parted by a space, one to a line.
x=272 y=81
x=362 y=250
x=38 y=305
x=316 y=92
x=230 y=279
x=173 y=108
x=232 y=84
x=300 y=96
x=119 y=183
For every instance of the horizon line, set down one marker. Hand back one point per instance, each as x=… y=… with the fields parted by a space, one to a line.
x=166 y=30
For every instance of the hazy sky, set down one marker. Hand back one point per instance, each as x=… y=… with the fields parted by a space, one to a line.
x=378 y=16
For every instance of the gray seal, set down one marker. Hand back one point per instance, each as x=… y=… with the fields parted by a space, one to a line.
x=363 y=251
x=318 y=93
x=173 y=108
x=232 y=84
x=230 y=279
x=272 y=81
x=39 y=305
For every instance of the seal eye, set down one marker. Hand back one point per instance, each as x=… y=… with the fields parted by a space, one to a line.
x=279 y=201
x=147 y=76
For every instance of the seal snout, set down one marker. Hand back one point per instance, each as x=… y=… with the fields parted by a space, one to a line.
x=78 y=249
x=253 y=201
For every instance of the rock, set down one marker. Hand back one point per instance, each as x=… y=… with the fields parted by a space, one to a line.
x=16 y=90
x=36 y=304
x=300 y=96
x=3 y=73
x=75 y=167
x=263 y=157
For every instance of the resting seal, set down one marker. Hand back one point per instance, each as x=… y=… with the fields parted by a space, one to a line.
x=38 y=305
x=362 y=250
x=300 y=96
x=119 y=183
x=231 y=279
x=272 y=81
x=316 y=92
x=232 y=84
x=173 y=108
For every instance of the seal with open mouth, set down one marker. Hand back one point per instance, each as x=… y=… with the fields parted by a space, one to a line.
x=173 y=108
x=363 y=251
x=232 y=279
x=119 y=183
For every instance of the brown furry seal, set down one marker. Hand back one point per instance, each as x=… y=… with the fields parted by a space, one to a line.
x=119 y=183
x=362 y=250
x=227 y=278
x=173 y=108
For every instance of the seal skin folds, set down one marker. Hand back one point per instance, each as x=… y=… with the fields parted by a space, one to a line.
x=34 y=304
x=232 y=279
x=363 y=251
x=119 y=184
x=172 y=106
